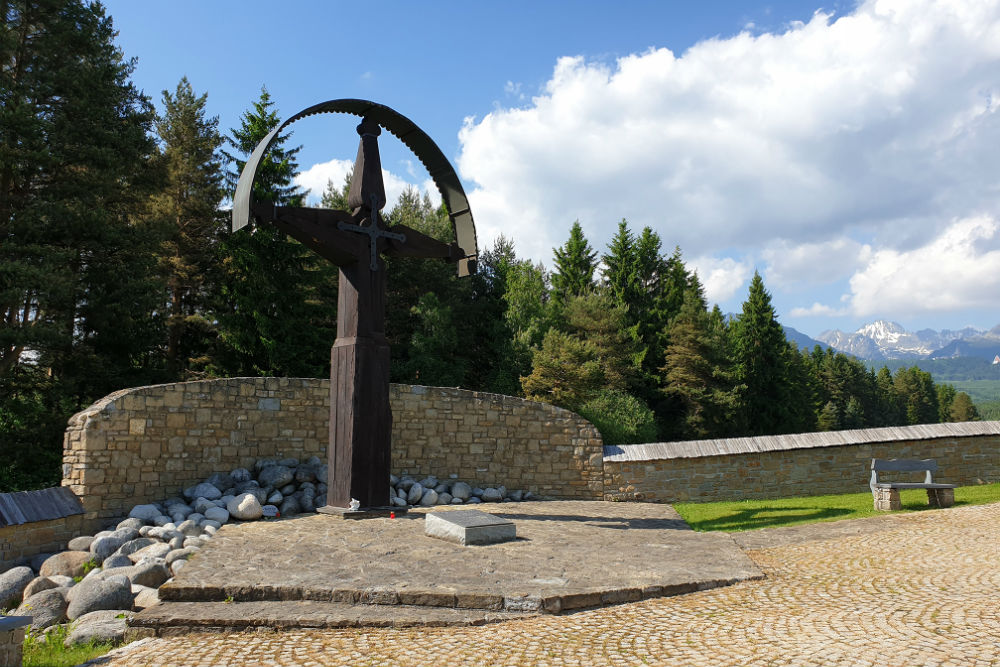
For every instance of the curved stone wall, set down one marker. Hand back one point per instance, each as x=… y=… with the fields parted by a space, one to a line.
x=147 y=443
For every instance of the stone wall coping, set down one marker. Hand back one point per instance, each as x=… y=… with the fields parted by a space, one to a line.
x=12 y=622
x=771 y=443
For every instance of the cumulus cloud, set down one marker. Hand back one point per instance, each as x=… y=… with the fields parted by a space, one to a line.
x=818 y=309
x=795 y=267
x=315 y=178
x=959 y=269
x=837 y=128
x=721 y=277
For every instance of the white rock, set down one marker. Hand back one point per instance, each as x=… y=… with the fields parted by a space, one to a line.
x=245 y=507
x=176 y=566
x=177 y=542
x=429 y=498
x=210 y=530
x=208 y=523
x=190 y=528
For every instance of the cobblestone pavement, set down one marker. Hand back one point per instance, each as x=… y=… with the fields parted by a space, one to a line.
x=922 y=590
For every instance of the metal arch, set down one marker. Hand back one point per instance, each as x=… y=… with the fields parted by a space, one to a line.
x=422 y=146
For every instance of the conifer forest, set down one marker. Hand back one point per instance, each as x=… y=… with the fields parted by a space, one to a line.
x=117 y=269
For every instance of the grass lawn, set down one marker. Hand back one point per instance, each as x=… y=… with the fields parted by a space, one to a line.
x=753 y=514
x=49 y=651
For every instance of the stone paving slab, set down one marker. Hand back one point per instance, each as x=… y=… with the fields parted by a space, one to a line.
x=922 y=591
x=172 y=618
x=568 y=555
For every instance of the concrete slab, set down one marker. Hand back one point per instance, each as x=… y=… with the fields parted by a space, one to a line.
x=568 y=555
x=469 y=527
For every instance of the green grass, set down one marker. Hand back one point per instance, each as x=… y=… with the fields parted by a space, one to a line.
x=753 y=514
x=48 y=650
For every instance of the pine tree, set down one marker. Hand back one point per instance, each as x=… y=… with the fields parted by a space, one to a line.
x=620 y=277
x=187 y=211
x=761 y=354
x=595 y=318
x=575 y=262
x=962 y=409
x=278 y=315
x=566 y=371
x=79 y=290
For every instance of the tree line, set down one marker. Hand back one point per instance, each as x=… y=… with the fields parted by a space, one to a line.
x=117 y=269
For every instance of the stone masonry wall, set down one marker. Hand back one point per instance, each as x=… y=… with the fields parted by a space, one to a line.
x=144 y=444
x=18 y=543
x=797 y=472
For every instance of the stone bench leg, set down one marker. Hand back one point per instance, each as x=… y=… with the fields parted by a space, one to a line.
x=887 y=500
x=940 y=497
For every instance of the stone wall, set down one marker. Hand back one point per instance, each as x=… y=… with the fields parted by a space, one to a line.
x=11 y=639
x=18 y=543
x=799 y=469
x=147 y=443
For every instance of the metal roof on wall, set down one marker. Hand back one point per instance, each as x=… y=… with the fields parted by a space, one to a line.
x=26 y=506
x=772 y=443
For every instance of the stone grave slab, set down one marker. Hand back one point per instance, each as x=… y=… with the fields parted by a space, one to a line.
x=469 y=527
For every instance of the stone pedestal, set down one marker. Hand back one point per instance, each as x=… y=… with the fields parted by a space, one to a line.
x=940 y=497
x=468 y=527
x=887 y=500
x=11 y=639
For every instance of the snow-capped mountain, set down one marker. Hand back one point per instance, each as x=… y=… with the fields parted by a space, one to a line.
x=883 y=339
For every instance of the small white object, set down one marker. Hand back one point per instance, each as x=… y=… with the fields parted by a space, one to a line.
x=355 y=505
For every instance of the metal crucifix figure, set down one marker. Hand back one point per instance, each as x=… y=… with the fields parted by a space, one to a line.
x=359 y=453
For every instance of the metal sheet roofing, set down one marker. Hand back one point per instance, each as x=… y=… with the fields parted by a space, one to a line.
x=772 y=443
x=26 y=506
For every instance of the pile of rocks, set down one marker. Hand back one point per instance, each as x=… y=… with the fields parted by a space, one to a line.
x=407 y=491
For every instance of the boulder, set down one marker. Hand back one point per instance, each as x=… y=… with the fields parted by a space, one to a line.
x=105 y=545
x=415 y=493
x=221 y=481
x=457 y=501
x=245 y=507
x=217 y=514
x=45 y=608
x=116 y=561
x=288 y=489
x=461 y=490
x=203 y=490
x=62 y=581
x=12 y=585
x=153 y=551
x=94 y=594
x=399 y=502
x=207 y=525
x=138 y=544
x=190 y=528
x=81 y=543
x=275 y=476
x=177 y=542
x=275 y=498
x=106 y=625
x=240 y=475
x=429 y=498
x=444 y=498
x=202 y=504
x=145 y=512
x=175 y=567
x=289 y=462
x=180 y=554
x=36 y=561
x=492 y=495
x=134 y=522
x=162 y=520
x=37 y=585
x=67 y=563
x=149 y=573
x=144 y=597
x=290 y=506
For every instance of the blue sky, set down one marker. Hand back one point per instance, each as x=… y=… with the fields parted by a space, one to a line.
x=846 y=151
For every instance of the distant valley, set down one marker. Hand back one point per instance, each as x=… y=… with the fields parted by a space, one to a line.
x=884 y=340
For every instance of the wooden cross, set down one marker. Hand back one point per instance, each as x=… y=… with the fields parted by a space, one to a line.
x=359 y=454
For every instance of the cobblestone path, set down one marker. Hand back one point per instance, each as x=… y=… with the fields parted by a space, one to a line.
x=923 y=591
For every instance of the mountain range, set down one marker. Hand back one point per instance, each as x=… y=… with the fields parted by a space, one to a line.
x=882 y=340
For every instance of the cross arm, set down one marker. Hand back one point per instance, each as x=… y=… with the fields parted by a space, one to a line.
x=316 y=228
x=421 y=245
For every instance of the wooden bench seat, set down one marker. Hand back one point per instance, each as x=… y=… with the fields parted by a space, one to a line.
x=886 y=494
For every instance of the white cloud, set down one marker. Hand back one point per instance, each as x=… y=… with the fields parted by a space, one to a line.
x=837 y=127
x=818 y=309
x=799 y=266
x=722 y=277
x=959 y=269
x=317 y=176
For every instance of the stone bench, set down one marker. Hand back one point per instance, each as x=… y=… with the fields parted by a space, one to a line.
x=11 y=639
x=886 y=494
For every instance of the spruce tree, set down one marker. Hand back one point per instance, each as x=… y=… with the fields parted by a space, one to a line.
x=187 y=211
x=79 y=289
x=278 y=312
x=575 y=262
x=761 y=352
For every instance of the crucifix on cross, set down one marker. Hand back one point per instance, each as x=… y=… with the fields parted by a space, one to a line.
x=359 y=453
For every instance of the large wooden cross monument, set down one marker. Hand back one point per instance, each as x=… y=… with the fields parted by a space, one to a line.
x=359 y=453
